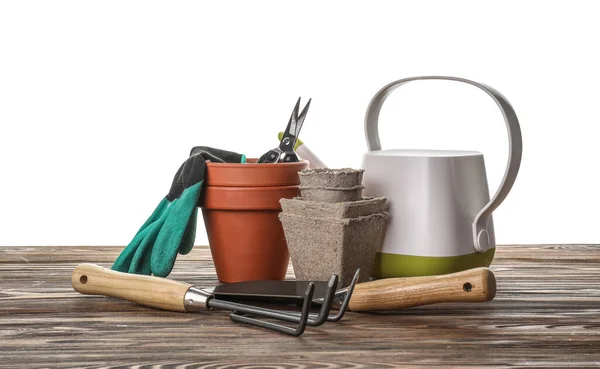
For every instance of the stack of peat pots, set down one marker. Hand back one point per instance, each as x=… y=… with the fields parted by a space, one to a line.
x=331 y=228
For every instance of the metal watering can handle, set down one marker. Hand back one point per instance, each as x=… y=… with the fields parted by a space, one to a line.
x=481 y=238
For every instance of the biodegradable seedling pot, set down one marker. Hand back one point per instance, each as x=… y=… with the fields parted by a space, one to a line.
x=332 y=194
x=322 y=246
x=240 y=205
x=349 y=209
x=325 y=177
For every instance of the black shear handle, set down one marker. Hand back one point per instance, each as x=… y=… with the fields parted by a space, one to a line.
x=271 y=156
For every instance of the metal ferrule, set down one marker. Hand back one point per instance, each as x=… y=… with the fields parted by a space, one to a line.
x=340 y=297
x=196 y=300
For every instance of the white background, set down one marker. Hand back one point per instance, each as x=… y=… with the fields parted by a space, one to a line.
x=100 y=102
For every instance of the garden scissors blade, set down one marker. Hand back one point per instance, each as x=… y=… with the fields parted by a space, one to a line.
x=285 y=152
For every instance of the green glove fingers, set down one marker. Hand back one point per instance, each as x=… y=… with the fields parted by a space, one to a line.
x=170 y=237
x=124 y=260
x=190 y=235
x=140 y=263
x=156 y=214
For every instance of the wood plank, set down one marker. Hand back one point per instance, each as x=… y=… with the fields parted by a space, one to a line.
x=546 y=314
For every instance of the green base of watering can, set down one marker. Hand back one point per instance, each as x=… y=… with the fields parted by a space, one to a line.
x=395 y=265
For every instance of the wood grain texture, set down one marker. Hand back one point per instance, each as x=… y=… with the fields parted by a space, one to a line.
x=474 y=285
x=546 y=314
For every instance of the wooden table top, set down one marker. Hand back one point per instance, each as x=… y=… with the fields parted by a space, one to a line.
x=546 y=314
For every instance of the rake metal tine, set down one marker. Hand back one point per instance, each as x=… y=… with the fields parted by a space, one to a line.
x=344 y=305
x=237 y=316
x=327 y=302
x=318 y=319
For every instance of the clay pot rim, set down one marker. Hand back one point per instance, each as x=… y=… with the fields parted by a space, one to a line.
x=256 y=198
x=251 y=188
x=251 y=163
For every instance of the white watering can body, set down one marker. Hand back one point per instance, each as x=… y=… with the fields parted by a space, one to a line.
x=439 y=205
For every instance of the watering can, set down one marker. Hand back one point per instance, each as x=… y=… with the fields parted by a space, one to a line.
x=439 y=204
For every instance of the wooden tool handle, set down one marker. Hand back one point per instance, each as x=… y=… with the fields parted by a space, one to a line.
x=155 y=292
x=472 y=285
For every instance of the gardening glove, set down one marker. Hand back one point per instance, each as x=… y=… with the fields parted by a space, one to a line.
x=171 y=228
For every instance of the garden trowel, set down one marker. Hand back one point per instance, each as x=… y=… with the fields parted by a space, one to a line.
x=473 y=285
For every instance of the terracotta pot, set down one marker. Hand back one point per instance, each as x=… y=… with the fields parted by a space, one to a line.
x=247 y=198
x=253 y=174
x=240 y=209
